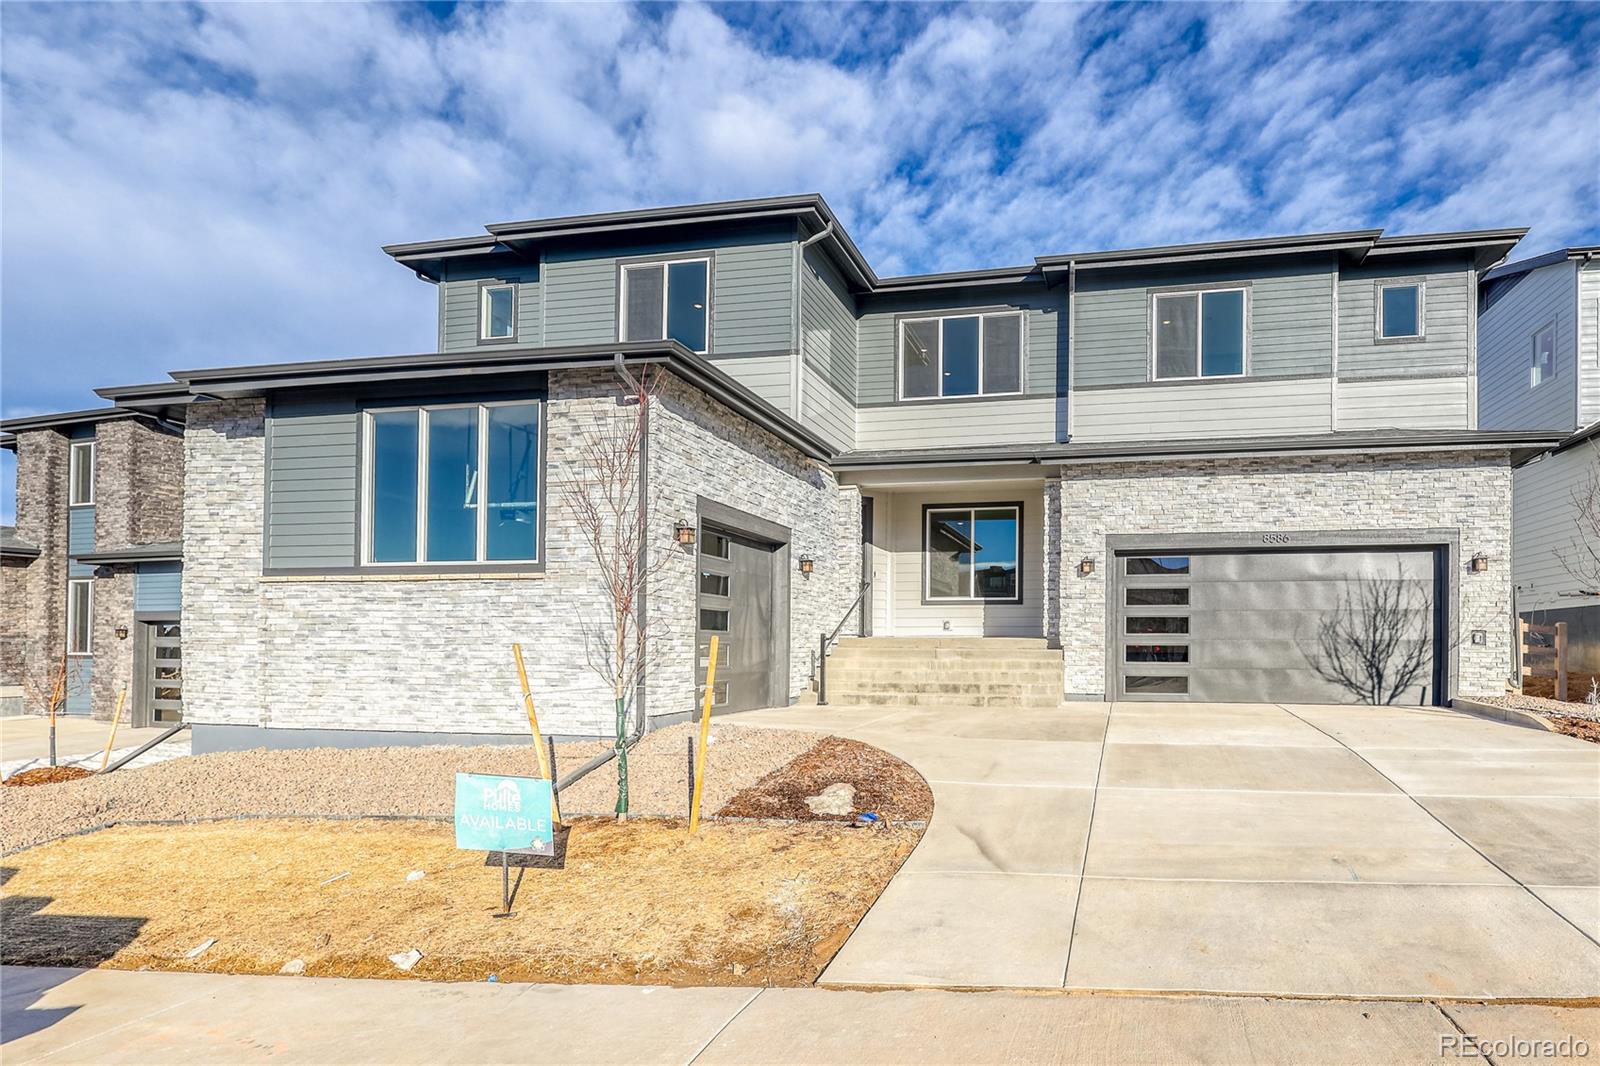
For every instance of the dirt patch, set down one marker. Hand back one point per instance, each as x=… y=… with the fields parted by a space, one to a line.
x=640 y=902
x=1544 y=688
x=390 y=782
x=47 y=775
x=1582 y=728
x=883 y=784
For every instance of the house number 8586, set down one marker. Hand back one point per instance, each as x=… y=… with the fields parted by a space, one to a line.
x=1274 y=538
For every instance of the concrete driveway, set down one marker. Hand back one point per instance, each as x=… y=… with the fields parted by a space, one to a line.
x=1322 y=851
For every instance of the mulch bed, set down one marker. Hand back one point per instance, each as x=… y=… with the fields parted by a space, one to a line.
x=47 y=775
x=1581 y=728
x=1545 y=687
x=883 y=785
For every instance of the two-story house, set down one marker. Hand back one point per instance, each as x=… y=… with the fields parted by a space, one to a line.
x=1218 y=472
x=91 y=574
x=1539 y=330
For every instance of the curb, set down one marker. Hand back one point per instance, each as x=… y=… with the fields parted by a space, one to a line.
x=1508 y=715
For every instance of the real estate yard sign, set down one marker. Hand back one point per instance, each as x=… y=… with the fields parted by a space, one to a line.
x=496 y=813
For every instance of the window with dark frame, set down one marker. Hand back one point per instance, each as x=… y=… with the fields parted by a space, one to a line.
x=667 y=301
x=949 y=356
x=972 y=554
x=453 y=484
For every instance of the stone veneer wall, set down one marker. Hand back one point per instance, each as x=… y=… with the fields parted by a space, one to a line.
x=431 y=654
x=1468 y=492
x=37 y=593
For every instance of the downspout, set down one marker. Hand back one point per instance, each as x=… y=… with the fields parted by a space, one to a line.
x=799 y=319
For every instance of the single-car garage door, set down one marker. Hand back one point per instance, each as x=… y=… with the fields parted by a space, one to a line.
x=737 y=597
x=1334 y=625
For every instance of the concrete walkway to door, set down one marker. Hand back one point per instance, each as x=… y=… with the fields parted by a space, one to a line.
x=1320 y=851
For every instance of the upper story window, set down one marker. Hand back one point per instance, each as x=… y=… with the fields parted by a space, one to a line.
x=667 y=301
x=80 y=473
x=1544 y=356
x=452 y=484
x=498 y=313
x=1400 y=311
x=961 y=355
x=1199 y=334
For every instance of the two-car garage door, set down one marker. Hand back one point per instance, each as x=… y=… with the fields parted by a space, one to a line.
x=1335 y=625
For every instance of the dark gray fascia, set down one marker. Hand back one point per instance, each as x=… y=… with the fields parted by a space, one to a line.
x=68 y=418
x=1350 y=241
x=164 y=552
x=14 y=547
x=960 y=279
x=1515 y=442
x=1488 y=246
x=1572 y=440
x=1559 y=255
x=260 y=380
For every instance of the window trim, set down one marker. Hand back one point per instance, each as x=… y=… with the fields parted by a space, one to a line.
x=1418 y=283
x=420 y=563
x=72 y=460
x=88 y=649
x=941 y=317
x=1199 y=293
x=484 y=287
x=1004 y=505
x=1533 y=356
x=625 y=265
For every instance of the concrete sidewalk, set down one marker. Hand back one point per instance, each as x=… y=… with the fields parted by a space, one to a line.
x=25 y=743
x=112 y=1016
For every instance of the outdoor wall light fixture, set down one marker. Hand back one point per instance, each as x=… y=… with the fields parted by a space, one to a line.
x=122 y=632
x=683 y=533
x=1086 y=567
x=807 y=564
x=1480 y=563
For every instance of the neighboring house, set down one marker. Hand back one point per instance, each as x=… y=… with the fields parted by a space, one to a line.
x=1539 y=344
x=92 y=569
x=1181 y=468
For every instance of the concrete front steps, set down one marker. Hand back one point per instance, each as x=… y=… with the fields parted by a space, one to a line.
x=944 y=672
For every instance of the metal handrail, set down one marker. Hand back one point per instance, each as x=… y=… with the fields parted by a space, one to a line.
x=829 y=639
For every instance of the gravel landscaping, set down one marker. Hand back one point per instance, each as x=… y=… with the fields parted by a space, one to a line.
x=384 y=782
x=1574 y=719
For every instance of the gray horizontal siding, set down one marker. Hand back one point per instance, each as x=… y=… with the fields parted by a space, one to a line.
x=752 y=298
x=1045 y=324
x=1588 y=355
x=826 y=411
x=1236 y=408
x=828 y=325
x=459 y=311
x=80 y=687
x=1447 y=322
x=312 y=483
x=1545 y=527
x=1018 y=420
x=1417 y=403
x=158 y=587
x=1519 y=307
x=80 y=539
x=1290 y=319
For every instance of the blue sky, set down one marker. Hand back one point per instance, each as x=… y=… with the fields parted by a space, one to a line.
x=195 y=186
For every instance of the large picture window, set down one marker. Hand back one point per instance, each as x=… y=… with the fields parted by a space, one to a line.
x=961 y=355
x=972 y=553
x=80 y=616
x=1199 y=334
x=453 y=484
x=667 y=301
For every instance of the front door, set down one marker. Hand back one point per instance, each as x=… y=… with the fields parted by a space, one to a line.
x=159 y=672
x=736 y=579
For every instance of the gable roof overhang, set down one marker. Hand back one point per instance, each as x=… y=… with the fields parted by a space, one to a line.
x=262 y=380
x=62 y=420
x=1551 y=258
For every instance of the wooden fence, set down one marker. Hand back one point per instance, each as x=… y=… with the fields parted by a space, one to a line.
x=1544 y=653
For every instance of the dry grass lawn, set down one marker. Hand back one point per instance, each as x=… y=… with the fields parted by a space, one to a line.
x=638 y=902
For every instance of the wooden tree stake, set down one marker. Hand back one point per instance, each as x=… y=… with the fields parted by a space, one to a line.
x=546 y=769
x=122 y=697
x=705 y=739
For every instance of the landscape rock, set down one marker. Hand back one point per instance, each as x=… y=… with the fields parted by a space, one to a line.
x=406 y=961
x=294 y=966
x=200 y=948
x=838 y=798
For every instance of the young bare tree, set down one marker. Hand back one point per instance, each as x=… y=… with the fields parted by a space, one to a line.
x=1376 y=645
x=626 y=548
x=1581 y=558
x=51 y=691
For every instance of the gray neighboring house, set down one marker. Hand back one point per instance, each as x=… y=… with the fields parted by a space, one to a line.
x=1539 y=329
x=1167 y=472
x=91 y=575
